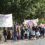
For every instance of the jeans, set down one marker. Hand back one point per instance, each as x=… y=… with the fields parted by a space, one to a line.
x=5 y=38
x=15 y=38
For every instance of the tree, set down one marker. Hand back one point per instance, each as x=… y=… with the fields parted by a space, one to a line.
x=23 y=9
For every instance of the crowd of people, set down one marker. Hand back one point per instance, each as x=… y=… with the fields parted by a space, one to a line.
x=24 y=33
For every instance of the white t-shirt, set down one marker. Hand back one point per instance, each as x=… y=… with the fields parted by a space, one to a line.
x=37 y=33
x=32 y=32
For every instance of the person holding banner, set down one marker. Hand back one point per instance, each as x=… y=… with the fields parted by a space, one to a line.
x=8 y=35
x=5 y=34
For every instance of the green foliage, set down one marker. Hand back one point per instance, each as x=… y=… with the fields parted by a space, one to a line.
x=23 y=9
x=41 y=21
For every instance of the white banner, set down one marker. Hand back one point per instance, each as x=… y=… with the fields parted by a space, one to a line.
x=6 y=20
x=31 y=22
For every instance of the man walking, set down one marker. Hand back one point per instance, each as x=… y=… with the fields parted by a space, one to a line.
x=5 y=34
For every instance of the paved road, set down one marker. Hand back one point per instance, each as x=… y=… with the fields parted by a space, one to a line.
x=25 y=42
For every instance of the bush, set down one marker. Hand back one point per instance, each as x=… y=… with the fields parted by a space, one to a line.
x=41 y=21
x=0 y=36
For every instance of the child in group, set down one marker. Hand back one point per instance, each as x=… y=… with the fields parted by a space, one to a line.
x=37 y=33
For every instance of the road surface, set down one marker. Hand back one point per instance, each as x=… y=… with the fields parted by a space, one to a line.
x=24 y=42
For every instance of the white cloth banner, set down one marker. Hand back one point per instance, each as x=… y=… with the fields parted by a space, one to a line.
x=31 y=22
x=6 y=20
